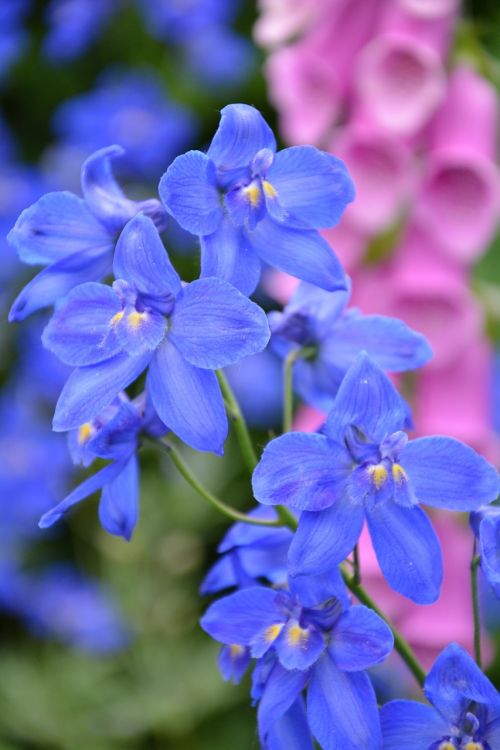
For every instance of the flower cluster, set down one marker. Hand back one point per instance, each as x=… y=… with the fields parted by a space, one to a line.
x=121 y=310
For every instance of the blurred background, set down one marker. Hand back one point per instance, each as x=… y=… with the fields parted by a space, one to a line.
x=99 y=643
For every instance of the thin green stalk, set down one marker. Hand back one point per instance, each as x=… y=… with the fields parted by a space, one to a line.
x=240 y=425
x=476 y=559
x=357 y=567
x=286 y=517
x=226 y=510
x=290 y=360
x=400 y=643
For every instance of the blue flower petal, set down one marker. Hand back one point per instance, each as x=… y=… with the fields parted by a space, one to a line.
x=323 y=540
x=281 y=690
x=89 y=389
x=390 y=343
x=317 y=381
x=213 y=325
x=189 y=192
x=489 y=539
x=342 y=708
x=140 y=331
x=224 y=574
x=407 y=549
x=360 y=639
x=118 y=436
x=81 y=331
x=141 y=259
x=313 y=186
x=119 y=506
x=240 y=617
x=492 y=731
x=455 y=681
x=187 y=399
x=54 y=282
x=106 y=199
x=241 y=133
x=313 y=590
x=406 y=724
x=243 y=534
x=322 y=308
x=228 y=254
x=446 y=473
x=301 y=470
x=56 y=226
x=300 y=252
x=86 y=488
x=291 y=731
x=368 y=400
x=299 y=647
x=233 y=662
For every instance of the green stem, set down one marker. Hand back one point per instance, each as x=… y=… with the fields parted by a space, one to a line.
x=226 y=510
x=357 y=567
x=476 y=559
x=400 y=643
x=290 y=360
x=240 y=426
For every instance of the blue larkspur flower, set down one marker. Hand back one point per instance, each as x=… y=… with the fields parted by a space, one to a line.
x=464 y=713
x=13 y=35
x=318 y=320
x=133 y=110
x=324 y=649
x=34 y=468
x=249 y=203
x=61 y=603
x=114 y=436
x=149 y=319
x=73 y=25
x=363 y=466
x=74 y=237
x=178 y=21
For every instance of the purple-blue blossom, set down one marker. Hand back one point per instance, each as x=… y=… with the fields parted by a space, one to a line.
x=323 y=649
x=132 y=109
x=149 y=319
x=74 y=237
x=333 y=336
x=113 y=436
x=73 y=25
x=250 y=204
x=464 y=713
x=364 y=467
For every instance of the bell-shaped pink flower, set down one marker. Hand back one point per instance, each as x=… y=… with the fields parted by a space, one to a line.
x=382 y=169
x=459 y=200
x=400 y=81
x=310 y=81
x=431 y=294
